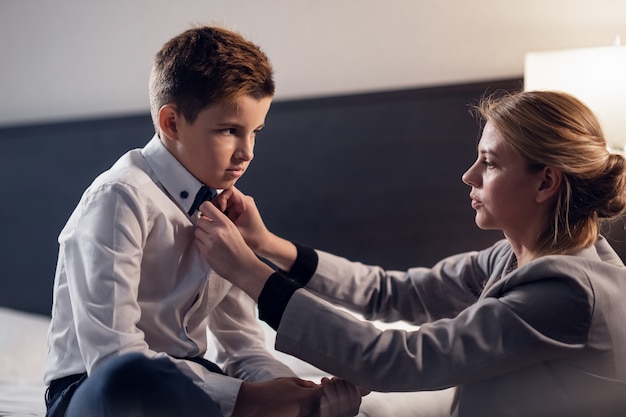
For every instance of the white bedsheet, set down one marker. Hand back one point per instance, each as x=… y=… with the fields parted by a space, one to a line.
x=21 y=398
x=22 y=359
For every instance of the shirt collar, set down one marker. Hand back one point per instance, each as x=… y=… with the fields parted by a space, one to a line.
x=177 y=181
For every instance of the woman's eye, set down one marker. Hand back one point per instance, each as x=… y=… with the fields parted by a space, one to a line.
x=488 y=163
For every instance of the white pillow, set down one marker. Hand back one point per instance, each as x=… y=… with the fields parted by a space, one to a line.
x=22 y=345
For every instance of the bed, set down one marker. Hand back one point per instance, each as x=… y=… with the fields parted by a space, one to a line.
x=22 y=358
x=316 y=177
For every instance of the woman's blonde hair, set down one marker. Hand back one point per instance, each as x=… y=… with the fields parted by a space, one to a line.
x=550 y=128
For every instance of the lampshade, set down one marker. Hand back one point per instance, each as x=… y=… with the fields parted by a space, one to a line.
x=596 y=76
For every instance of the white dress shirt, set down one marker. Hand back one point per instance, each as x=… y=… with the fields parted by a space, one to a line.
x=129 y=278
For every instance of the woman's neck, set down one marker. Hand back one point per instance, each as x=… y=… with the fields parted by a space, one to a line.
x=524 y=250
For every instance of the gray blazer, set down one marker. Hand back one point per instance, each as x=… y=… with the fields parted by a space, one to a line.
x=544 y=339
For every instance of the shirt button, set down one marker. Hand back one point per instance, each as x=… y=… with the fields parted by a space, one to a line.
x=184 y=194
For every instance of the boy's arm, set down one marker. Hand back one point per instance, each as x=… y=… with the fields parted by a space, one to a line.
x=103 y=250
x=245 y=354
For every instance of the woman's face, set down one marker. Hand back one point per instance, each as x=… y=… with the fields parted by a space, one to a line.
x=504 y=192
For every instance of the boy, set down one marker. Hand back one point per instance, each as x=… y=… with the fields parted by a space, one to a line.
x=132 y=295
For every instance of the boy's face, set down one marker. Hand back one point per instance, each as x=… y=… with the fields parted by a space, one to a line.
x=218 y=147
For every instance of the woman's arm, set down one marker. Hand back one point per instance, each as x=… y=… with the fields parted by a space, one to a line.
x=498 y=334
x=417 y=295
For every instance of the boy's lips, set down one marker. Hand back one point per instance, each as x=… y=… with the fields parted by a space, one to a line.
x=235 y=172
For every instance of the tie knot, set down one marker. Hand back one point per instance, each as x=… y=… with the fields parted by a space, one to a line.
x=205 y=194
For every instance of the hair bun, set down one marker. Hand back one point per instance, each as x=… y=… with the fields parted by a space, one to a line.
x=614 y=203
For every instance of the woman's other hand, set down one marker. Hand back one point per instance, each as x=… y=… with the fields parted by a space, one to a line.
x=224 y=248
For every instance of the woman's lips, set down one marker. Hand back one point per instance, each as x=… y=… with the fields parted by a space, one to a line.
x=475 y=203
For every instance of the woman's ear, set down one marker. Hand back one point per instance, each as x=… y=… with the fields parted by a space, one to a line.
x=168 y=122
x=550 y=184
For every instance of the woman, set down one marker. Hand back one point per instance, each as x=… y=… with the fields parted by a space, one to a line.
x=532 y=326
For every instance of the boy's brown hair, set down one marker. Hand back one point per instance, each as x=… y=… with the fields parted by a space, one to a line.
x=206 y=65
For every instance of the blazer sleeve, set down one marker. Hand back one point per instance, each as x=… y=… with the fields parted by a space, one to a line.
x=518 y=324
x=418 y=295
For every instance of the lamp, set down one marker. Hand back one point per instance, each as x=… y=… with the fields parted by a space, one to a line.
x=596 y=76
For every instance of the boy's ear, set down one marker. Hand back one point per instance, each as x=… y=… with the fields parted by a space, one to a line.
x=168 y=121
x=550 y=184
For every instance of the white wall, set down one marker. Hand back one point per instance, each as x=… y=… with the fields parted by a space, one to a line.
x=63 y=59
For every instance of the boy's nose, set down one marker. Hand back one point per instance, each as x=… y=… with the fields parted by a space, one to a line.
x=246 y=150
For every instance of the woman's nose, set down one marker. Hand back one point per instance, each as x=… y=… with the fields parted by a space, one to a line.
x=468 y=176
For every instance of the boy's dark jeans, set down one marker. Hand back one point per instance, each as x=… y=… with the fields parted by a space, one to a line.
x=131 y=386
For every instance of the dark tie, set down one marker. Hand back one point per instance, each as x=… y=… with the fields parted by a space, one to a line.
x=205 y=194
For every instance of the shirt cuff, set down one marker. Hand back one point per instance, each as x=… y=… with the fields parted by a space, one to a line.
x=274 y=298
x=304 y=266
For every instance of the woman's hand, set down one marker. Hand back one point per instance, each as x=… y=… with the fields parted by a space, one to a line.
x=340 y=398
x=242 y=210
x=223 y=247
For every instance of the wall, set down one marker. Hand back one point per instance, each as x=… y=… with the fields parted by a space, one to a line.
x=374 y=177
x=68 y=59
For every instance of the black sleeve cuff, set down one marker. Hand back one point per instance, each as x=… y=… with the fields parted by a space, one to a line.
x=274 y=298
x=305 y=265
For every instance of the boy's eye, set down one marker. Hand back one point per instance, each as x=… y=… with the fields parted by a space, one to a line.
x=228 y=131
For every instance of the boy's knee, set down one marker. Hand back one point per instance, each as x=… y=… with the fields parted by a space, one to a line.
x=114 y=387
x=134 y=385
x=129 y=377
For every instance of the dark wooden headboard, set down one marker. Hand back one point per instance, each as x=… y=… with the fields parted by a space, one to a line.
x=373 y=177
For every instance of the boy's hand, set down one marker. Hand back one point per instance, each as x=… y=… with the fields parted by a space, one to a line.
x=294 y=397
x=282 y=397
